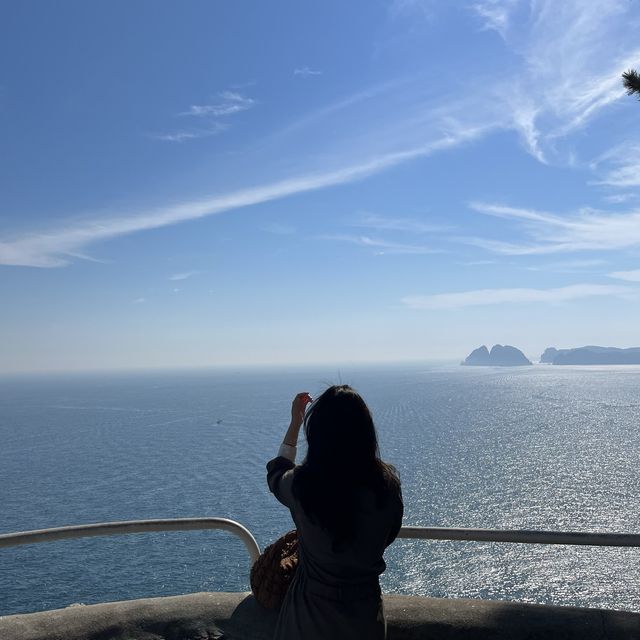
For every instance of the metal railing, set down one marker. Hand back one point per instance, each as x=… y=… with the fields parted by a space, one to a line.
x=133 y=526
x=422 y=533
x=522 y=536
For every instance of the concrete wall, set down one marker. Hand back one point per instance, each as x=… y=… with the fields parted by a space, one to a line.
x=227 y=616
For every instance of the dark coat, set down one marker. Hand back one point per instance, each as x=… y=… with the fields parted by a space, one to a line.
x=336 y=594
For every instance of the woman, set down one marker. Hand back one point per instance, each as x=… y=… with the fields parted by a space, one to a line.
x=347 y=507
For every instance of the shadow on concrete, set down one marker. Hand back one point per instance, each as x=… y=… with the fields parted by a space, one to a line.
x=443 y=619
x=250 y=620
x=529 y=621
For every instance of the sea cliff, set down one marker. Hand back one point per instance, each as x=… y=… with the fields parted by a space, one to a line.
x=591 y=355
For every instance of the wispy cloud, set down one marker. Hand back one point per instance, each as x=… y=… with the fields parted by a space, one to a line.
x=228 y=103
x=383 y=247
x=571 y=53
x=410 y=225
x=588 y=229
x=52 y=248
x=495 y=14
x=619 y=198
x=568 y=266
x=524 y=117
x=316 y=116
x=184 y=275
x=629 y=276
x=478 y=263
x=139 y=301
x=191 y=134
x=306 y=72
x=483 y=297
x=569 y=73
x=620 y=166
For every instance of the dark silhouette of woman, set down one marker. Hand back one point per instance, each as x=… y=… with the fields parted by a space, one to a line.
x=347 y=506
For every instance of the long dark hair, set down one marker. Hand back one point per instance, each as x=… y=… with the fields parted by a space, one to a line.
x=342 y=458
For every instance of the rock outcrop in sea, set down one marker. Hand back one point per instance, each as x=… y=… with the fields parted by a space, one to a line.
x=549 y=355
x=499 y=356
x=591 y=355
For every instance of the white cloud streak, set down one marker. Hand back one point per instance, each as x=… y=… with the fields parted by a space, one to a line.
x=184 y=275
x=588 y=229
x=628 y=276
x=306 y=72
x=228 y=103
x=478 y=263
x=619 y=198
x=190 y=134
x=313 y=118
x=568 y=266
x=495 y=14
x=623 y=166
x=524 y=121
x=484 y=297
x=410 y=225
x=383 y=247
x=53 y=248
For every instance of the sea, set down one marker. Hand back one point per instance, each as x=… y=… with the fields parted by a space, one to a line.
x=538 y=447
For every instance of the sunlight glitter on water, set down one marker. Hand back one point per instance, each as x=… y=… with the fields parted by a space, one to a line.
x=532 y=448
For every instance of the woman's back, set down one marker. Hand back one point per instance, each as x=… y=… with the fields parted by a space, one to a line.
x=346 y=515
x=357 y=560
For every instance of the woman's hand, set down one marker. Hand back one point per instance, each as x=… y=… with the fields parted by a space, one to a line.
x=298 y=407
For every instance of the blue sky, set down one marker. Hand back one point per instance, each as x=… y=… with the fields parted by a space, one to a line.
x=207 y=183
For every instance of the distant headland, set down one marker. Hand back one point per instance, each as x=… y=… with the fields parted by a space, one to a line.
x=499 y=356
x=591 y=355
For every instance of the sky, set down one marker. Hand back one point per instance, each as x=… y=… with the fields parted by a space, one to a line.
x=227 y=182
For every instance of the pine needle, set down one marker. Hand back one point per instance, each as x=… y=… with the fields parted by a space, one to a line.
x=631 y=81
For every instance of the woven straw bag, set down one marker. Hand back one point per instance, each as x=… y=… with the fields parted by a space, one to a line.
x=273 y=571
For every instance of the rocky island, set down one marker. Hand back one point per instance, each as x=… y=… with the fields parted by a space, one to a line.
x=499 y=356
x=591 y=355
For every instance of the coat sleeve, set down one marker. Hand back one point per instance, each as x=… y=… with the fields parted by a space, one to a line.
x=397 y=511
x=280 y=478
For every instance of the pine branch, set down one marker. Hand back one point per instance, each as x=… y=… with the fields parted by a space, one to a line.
x=631 y=81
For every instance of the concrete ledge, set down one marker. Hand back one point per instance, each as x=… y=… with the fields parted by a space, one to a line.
x=236 y=616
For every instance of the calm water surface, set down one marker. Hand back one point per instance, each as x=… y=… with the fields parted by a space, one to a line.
x=536 y=447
